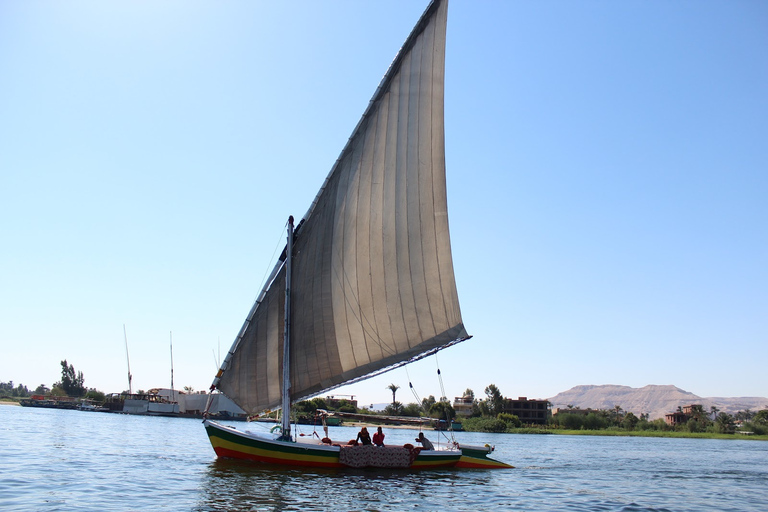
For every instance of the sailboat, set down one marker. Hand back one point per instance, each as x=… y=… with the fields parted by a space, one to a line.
x=365 y=283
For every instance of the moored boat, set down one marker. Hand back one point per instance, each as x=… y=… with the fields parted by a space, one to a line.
x=49 y=402
x=365 y=283
x=88 y=405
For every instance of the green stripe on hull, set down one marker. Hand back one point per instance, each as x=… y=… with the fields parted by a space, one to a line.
x=436 y=461
x=229 y=444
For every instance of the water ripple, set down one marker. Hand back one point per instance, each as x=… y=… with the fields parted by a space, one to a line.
x=74 y=461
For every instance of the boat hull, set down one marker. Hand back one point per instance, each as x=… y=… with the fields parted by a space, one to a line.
x=229 y=442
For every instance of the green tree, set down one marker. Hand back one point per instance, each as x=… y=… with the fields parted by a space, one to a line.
x=724 y=423
x=345 y=406
x=698 y=413
x=394 y=409
x=319 y=403
x=393 y=388
x=8 y=389
x=484 y=425
x=745 y=415
x=96 y=395
x=699 y=420
x=412 y=410
x=510 y=419
x=427 y=403
x=57 y=391
x=71 y=382
x=630 y=421
x=568 y=420
x=596 y=421
x=303 y=406
x=616 y=412
x=443 y=410
x=494 y=401
x=759 y=423
x=693 y=426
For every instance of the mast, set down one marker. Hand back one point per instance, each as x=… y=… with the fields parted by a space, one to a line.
x=286 y=390
x=173 y=394
x=130 y=389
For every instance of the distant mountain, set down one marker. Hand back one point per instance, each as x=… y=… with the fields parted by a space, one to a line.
x=654 y=400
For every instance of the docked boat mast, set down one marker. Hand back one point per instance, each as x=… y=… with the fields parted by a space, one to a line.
x=173 y=393
x=130 y=377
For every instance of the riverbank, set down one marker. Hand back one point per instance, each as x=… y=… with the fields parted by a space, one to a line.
x=641 y=433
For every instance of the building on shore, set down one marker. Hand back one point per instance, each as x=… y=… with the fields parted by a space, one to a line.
x=336 y=401
x=463 y=405
x=530 y=411
x=681 y=416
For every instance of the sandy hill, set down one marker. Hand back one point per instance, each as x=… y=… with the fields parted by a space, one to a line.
x=653 y=399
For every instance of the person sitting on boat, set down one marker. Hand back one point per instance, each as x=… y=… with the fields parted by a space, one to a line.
x=378 y=437
x=364 y=437
x=425 y=443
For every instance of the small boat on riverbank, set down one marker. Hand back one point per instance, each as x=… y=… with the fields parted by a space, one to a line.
x=88 y=405
x=368 y=272
x=49 y=402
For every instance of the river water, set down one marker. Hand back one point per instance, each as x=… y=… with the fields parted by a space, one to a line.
x=76 y=461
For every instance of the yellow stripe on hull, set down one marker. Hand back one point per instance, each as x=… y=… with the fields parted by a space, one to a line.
x=476 y=463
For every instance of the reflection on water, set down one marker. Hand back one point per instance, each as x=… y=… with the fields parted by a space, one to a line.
x=239 y=485
x=79 y=461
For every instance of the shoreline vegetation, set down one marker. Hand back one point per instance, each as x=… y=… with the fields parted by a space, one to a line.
x=639 y=433
x=566 y=432
x=558 y=431
x=491 y=415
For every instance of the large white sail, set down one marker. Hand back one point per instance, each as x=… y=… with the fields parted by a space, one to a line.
x=372 y=282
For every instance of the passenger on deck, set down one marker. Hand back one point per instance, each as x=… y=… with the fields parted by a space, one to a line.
x=425 y=443
x=363 y=436
x=378 y=437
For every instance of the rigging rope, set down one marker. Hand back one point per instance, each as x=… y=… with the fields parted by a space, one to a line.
x=270 y=264
x=444 y=398
x=440 y=378
x=413 y=389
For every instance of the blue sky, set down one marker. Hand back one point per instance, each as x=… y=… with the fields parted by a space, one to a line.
x=607 y=179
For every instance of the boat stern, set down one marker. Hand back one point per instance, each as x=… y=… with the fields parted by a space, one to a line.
x=476 y=457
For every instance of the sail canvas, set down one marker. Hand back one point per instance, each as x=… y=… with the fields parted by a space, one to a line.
x=372 y=276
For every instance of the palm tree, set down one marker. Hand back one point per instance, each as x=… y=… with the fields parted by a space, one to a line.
x=393 y=388
x=724 y=423
x=617 y=411
x=714 y=410
x=697 y=410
